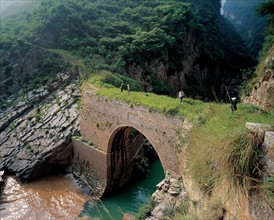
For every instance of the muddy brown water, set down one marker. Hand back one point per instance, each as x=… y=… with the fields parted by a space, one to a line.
x=51 y=197
x=62 y=197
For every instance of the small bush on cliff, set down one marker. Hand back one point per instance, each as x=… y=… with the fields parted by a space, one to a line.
x=242 y=157
x=145 y=210
x=109 y=79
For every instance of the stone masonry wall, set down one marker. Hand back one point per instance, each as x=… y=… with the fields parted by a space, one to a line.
x=102 y=117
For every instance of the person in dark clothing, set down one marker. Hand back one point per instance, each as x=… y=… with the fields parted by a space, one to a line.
x=233 y=105
x=122 y=87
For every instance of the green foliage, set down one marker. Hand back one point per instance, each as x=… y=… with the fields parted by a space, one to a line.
x=244 y=156
x=108 y=79
x=267 y=9
x=145 y=210
x=242 y=14
x=112 y=35
x=160 y=88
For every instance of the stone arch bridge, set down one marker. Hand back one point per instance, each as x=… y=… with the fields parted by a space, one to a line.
x=103 y=153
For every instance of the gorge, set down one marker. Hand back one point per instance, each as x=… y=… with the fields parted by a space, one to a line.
x=61 y=109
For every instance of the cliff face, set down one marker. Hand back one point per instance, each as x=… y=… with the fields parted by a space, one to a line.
x=196 y=76
x=165 y=72
x=211 y=57
x=247 y=23
x=262 y=93
x=35 y=133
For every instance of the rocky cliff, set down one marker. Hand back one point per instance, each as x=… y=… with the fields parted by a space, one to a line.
x=35 y=132
x=209 y=59
x=262 y=93
x=243 y=16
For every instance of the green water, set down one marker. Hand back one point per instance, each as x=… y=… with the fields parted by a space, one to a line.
x=129 y=200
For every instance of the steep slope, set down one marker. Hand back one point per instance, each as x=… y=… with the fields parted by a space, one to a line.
x=165 y=45
x=261 y=86
x=250 y=26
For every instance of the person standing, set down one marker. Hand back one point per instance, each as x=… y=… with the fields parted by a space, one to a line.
x=122 y=87
x=181 y=95
x=233 y=105
x=128 y=89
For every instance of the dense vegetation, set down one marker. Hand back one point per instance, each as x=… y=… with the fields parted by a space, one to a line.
x=112 y=35
x=250 y=26
x=267 y=9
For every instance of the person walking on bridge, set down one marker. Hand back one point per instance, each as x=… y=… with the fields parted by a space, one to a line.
x=128 y=89
x=181 y=95
x=233 y=104
x=122 y=87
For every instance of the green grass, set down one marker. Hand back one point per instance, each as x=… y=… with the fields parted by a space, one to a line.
x=171 y=106
x=219 y=146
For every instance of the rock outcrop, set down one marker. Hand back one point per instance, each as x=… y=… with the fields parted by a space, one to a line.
x=262 y=93
x=169 y=196
x=35 y=133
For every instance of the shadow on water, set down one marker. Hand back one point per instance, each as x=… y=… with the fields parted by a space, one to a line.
x=129 y=200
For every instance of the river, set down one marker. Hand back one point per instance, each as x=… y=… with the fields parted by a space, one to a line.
x=60 y=197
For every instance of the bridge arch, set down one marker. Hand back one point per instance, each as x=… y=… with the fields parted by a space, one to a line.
x=130 y=155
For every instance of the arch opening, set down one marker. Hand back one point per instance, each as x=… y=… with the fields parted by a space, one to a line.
x=131 y=155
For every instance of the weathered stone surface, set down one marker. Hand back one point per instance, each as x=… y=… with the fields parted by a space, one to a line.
x=269 y=153
x=159 y=211
x=170 y=193
x=262 y=93
x=35 y=138
x=105 y=122
x=257 y=127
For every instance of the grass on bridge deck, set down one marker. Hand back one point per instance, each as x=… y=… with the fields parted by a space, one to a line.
x=215 y=131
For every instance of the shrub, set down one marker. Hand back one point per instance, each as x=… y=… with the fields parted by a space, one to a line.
x=242 y=156
x=145 y=210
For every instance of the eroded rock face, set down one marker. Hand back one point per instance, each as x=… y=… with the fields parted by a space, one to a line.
x=35 y=133
x=194 y=76
x=262 y=93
